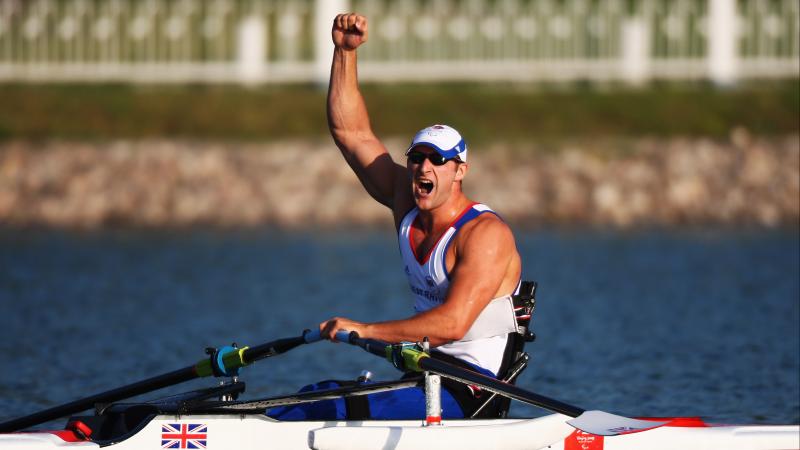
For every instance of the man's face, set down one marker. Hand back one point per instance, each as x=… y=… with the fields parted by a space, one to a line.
x=431 y=185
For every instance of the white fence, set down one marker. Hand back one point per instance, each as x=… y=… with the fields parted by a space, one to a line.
x=260 y=41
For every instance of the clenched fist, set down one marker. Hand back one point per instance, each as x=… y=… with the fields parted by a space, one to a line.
x=349 y=31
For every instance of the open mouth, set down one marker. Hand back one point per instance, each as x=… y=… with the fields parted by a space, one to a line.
x=425 y=186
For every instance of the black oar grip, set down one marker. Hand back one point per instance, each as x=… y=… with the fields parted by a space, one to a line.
x=371 y=345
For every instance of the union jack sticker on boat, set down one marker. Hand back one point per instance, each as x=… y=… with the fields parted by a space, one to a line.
x=184 y=435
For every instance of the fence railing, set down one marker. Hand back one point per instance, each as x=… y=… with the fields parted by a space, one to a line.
x=256 y=41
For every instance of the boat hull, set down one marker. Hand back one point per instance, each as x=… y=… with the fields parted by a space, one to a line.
x=548 y=432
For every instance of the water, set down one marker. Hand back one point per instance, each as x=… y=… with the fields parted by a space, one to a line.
x=643 y=324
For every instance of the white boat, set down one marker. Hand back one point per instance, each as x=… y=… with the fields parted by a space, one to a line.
x=254 y=431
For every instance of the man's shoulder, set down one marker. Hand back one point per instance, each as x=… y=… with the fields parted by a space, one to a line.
x=486 y=239
x=486 y=225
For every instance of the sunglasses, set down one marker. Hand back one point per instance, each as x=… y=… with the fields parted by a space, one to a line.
x=435 y=158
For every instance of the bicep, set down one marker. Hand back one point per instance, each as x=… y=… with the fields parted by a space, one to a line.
x=374 y=167
x=481 y=264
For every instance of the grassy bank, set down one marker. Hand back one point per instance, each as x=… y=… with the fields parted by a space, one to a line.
x=483 y=112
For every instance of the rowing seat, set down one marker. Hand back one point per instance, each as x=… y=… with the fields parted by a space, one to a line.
x=515 y=359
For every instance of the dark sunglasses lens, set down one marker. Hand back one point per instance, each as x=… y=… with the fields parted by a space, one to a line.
x=416 y=157
x=435 y=158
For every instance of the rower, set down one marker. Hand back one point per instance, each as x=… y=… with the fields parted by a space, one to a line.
x=459 y=256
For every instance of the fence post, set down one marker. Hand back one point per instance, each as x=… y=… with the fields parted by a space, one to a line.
x=722 y=41
x=251 y=48
x=324 y=12
x=635 y=49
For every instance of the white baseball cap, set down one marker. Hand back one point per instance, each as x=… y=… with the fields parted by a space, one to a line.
x=442 y=138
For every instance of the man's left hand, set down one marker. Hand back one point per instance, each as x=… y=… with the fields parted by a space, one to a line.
x=329 y=328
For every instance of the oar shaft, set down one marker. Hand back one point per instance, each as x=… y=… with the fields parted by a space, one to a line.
x=593 y=422
x=466 y=376
x=131 y=390
x=201 y=369
x=373 y=346
x=273 y=348
x=497 y=386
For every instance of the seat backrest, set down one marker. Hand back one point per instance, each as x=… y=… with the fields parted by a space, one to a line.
x=524 y=305
x=515 y=360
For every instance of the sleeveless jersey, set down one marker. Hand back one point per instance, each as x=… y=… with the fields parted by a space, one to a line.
x=429 y=282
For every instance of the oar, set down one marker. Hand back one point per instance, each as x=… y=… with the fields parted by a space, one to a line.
x=222 y=362
x=413 y=359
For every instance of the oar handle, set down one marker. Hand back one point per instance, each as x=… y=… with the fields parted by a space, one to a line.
x=311 y=336
x=376 y=347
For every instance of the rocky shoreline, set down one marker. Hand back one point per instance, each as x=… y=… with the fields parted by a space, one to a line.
x=744 y=181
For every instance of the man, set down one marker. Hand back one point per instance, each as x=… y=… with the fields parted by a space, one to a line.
x=458 y=255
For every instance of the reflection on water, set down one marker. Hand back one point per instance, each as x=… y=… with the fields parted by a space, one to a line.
x=645 y=324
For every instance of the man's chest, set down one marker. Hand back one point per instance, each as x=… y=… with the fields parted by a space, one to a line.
x=434 y=247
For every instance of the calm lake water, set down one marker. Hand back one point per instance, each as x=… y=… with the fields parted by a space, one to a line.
x=644 y=324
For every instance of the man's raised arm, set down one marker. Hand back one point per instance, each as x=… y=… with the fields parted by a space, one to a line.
x=348 y=119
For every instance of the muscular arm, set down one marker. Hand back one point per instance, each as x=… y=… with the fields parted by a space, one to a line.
x=349 y=123
x=487 y=266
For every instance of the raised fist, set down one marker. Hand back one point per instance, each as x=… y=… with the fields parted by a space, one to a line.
x=349 y=31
